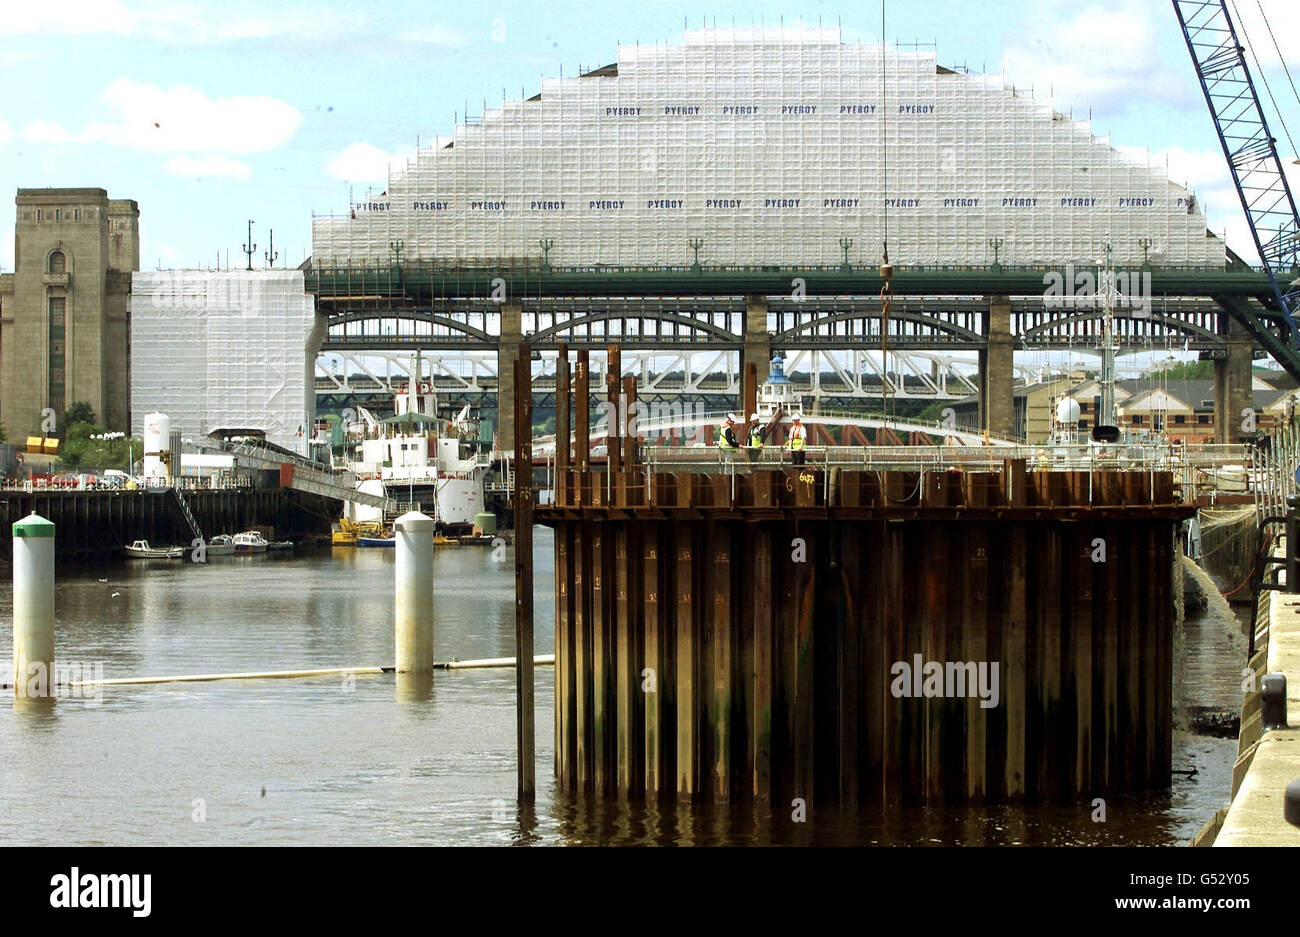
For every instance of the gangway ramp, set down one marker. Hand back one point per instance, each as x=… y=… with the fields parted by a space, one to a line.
x=299 y=474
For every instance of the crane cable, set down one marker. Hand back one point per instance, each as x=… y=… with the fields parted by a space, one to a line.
x=1260 y=69
x=1281 y=58
x=886 y=269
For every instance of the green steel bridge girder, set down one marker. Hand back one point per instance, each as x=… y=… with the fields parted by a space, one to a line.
x=1269 y=332
x=417 y=283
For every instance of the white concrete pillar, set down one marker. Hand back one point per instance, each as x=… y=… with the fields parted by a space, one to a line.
x=33 y=607
x=414 y=592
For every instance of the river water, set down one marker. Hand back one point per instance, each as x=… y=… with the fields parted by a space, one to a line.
x=373 y=760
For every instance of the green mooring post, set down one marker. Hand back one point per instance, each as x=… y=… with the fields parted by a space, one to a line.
x=33 y=608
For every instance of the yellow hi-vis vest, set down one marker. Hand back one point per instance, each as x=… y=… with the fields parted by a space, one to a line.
x=796 y=438
x=756 y=437
x=722 y=439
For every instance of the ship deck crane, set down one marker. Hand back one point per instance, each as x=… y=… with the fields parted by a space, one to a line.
x=1257 y=173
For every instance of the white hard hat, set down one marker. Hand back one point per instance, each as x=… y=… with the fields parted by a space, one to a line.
x=753 y=416
x=731 y=417
x=797 y=418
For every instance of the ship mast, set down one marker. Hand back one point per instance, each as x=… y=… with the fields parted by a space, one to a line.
x=1108 y=415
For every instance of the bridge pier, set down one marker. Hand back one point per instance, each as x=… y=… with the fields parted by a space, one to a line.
x=1232 y=385
x=508 y=349
x=997 y=370
x=758 y=341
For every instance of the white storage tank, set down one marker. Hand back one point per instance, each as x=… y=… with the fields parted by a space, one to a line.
x=157 y=437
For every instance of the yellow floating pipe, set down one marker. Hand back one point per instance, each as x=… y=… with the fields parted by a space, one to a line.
x=260 y=675
x=491 y=662
x=543 y=659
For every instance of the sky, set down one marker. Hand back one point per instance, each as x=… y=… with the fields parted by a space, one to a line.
x=213 y=113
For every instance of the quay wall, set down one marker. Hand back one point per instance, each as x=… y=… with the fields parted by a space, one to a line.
x=1267 y=759
x=96 y=524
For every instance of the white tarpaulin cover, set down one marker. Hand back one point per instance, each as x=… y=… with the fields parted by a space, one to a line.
x=225 y=351
x=766 y=144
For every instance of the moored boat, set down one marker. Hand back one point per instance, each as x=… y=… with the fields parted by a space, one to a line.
x=140 y=550
x=280 y=545
x=221 y=545
x=250 y=542
x=376 y=541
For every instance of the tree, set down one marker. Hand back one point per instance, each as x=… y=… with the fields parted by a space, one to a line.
x=1185 y=370
x=79 y=412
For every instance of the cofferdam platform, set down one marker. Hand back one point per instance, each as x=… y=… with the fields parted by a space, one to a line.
x=768 y=633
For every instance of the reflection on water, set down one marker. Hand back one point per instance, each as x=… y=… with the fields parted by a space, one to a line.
x=391 y=760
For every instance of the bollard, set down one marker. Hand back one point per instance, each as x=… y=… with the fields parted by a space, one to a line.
x=33 y=607
x=1291 y=803
x=414 y=592
x=1272 y=694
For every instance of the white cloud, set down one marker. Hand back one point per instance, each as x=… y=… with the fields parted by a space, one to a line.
x=1098 y=58
x=166 y=255
x=176 y=21
x=179 y=120
x=44 y=131
x=208 y=167
x=67 y=17
x=433 y=35
x=1283 y=19
x=363 y=162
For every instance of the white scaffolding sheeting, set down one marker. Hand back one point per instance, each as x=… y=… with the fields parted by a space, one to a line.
x=224 y=351
x=766 y=144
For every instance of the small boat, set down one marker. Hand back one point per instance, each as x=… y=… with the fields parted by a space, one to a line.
x=140 y=550
x=221 y=545
x=250 y=542
x=376 y=541
x=280 y=545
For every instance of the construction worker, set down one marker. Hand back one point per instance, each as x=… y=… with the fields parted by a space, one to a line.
x=727 y=440
x=796 y=441
x=757 y=434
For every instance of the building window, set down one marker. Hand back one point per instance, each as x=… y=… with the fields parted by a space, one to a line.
x=56 y=388
x=1203 y=418
x=1083 y=408
x=76 y=214
x=1180 y=418
x=58 y=262
x=58 y=214
x=1137 y=420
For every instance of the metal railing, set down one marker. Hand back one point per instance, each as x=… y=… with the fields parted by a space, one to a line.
x=384 y=266
x=1199 y=470
x=1275 y=470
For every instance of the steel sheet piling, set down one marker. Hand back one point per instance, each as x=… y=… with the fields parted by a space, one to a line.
x=773 y=627
x=524 y=683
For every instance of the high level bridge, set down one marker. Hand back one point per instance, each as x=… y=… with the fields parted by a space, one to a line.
x=744 y=314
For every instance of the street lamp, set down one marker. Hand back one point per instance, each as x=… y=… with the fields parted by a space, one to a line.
x=695 y=244
x=996 y=243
